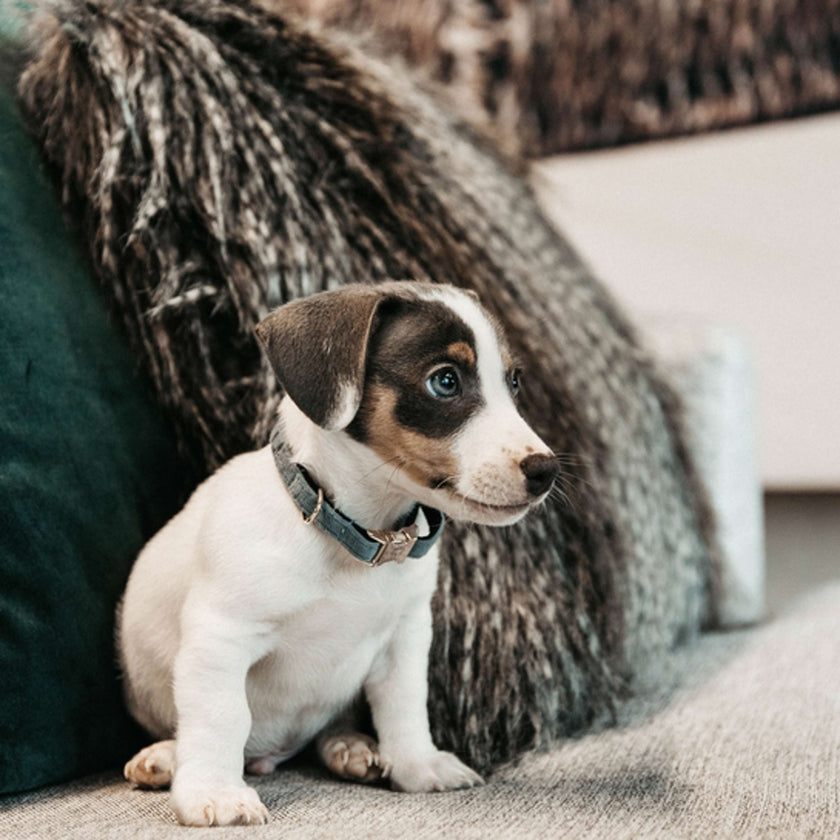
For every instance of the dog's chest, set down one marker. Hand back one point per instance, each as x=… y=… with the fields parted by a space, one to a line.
x=351 y=609
x=325 y=650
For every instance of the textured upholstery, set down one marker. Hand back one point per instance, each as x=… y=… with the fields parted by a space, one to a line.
x=739 y=741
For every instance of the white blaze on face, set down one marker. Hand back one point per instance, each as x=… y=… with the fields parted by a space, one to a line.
x=491 y=445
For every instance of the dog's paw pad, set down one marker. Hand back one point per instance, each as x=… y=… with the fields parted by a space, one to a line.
x=226 y=806
x=152 y=767
x=354 y=756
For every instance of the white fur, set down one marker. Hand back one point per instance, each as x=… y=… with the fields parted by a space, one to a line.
x=244 y=632
x=346 y=406
x=492 y=444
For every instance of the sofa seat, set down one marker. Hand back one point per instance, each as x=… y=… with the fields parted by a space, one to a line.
x=741 y=741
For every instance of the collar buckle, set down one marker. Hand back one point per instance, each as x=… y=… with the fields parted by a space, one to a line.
x=394 y=545
x=308 y=520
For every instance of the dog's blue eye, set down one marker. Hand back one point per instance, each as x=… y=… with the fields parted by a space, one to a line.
x=444 y=383
x=513 y=381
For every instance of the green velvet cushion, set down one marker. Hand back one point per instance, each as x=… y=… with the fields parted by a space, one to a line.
x=87 y=474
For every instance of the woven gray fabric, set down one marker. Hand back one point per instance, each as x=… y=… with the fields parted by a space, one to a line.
x=740 y=740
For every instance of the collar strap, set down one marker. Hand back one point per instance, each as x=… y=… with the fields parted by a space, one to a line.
x=373 y=547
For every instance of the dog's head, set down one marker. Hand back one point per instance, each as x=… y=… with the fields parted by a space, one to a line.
x=422 y=375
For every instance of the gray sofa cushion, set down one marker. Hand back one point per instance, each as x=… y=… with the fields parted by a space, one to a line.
x=741 y=741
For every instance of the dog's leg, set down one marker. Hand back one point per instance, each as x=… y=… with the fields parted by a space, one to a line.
x=348 y=753
x=397 y=690
x=214 y=721
x=153 y=766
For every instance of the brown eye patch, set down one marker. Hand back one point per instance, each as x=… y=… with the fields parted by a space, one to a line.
x=428 y=462
x=409 y=339
x=461 y=352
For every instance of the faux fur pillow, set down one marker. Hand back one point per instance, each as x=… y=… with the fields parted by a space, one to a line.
x=551 y=75
x=220 y=161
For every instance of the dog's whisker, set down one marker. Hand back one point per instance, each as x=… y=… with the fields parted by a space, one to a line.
x=572 y=458
x=385 y=463
x=571 y=481
x=391 y=478
x=557 y=493
x=573 y=487
x=445 y=480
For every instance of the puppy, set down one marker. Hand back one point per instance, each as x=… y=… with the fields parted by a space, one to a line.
x=300 y=575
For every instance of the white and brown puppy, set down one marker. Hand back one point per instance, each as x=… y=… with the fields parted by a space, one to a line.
x=246 y=631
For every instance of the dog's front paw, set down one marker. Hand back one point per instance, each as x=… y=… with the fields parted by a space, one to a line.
x=353 y=756
x=236 y=805
x=434 y=771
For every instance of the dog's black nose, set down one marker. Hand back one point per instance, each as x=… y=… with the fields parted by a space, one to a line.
x=540 y=472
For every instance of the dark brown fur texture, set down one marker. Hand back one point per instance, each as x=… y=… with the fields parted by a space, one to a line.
x=554 y=75
x=312 y=375
x=221 y=161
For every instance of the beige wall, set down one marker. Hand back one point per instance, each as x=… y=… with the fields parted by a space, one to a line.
x=741 y=226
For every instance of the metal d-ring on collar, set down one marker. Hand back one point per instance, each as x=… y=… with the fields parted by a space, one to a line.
x=372 y=547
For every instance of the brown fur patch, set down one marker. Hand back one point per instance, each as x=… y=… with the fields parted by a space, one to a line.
x=425 y=460
x=318 y=345
x=462 y=352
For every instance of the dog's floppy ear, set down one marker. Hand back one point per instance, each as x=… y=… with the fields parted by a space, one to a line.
x=318 y=347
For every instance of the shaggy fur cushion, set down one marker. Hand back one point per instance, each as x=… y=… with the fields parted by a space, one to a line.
x=553 y=76
x=220 y=161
